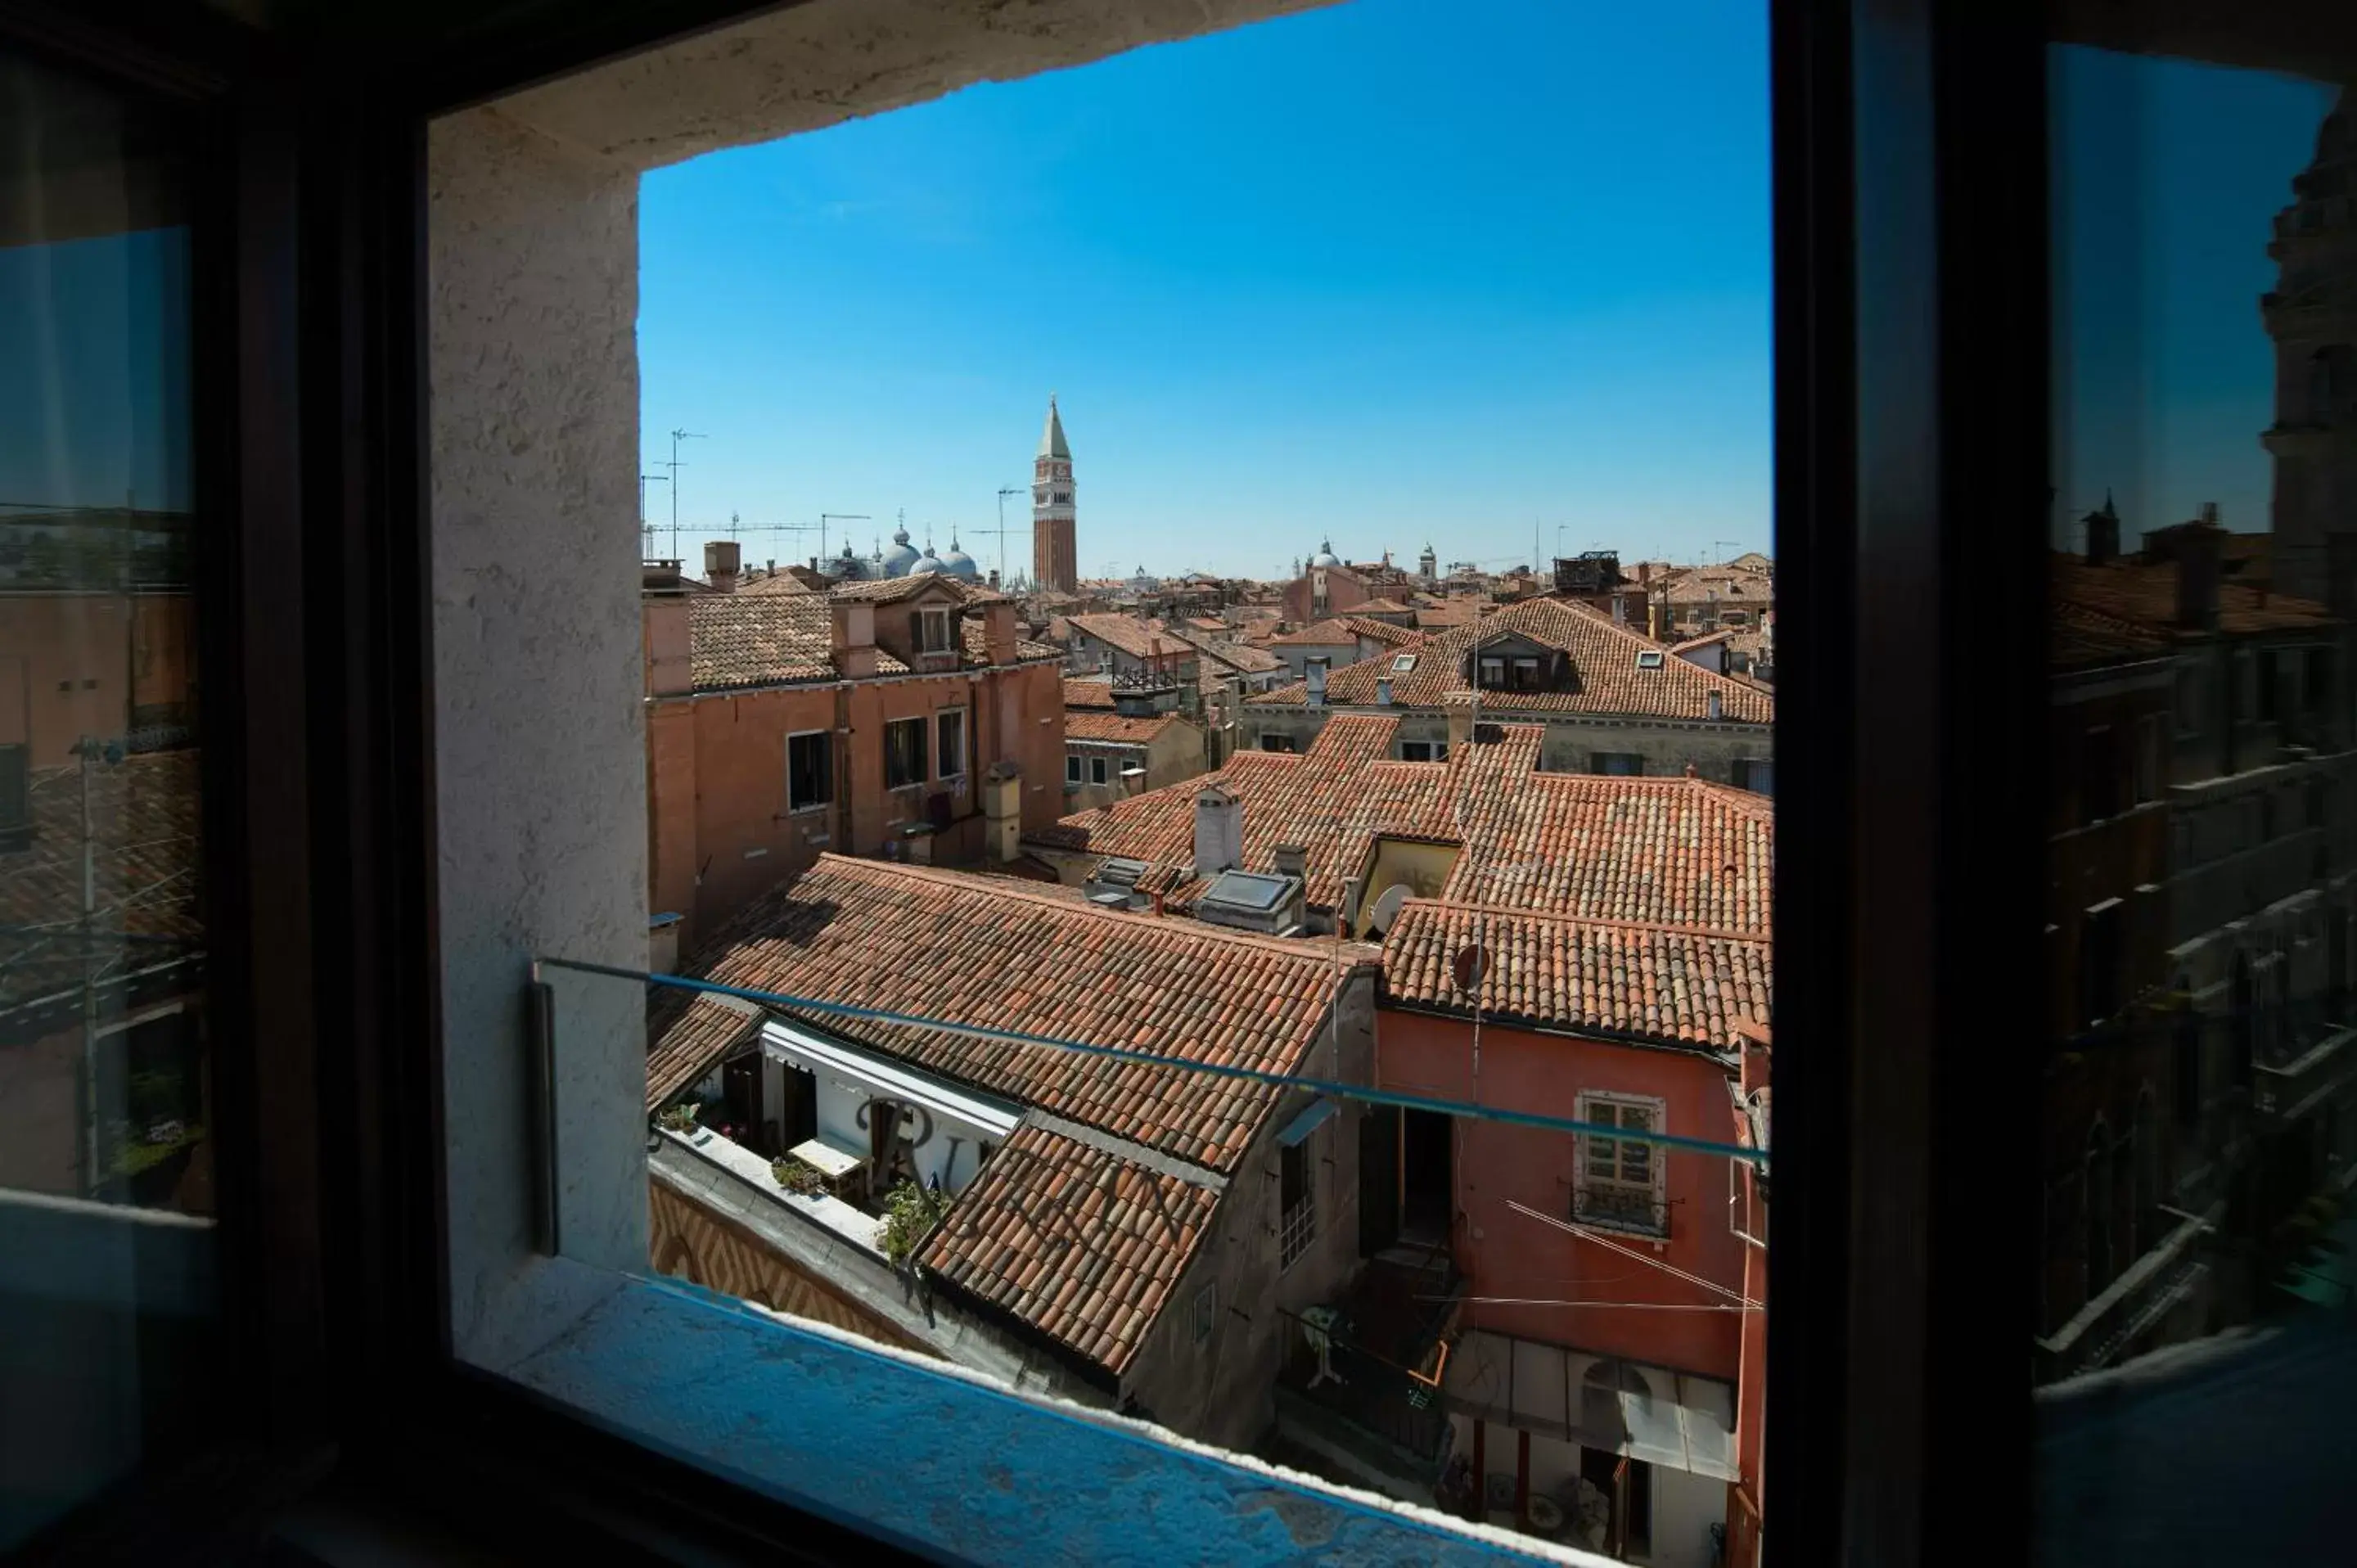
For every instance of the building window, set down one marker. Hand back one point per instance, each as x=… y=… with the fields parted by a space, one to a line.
x=810 y=770
x=1097 y=770
x=1424 y=751
x=1297 y=1203
x=1071 y=768
x=1493 y=673
x=1617 y=764
x=1526 y=675
x=1619 y=1180
x=2096 y=1188
x=1735 y=618
x=929 y=630
x=2099 y=780
x=2267 y=689
x=2188 y=702
x=2143 y=1172
x=949 y=752
x=2185 y=1057
x=1757 y=775
x=2099 y=963
x=1276 y=743
x=904 y=753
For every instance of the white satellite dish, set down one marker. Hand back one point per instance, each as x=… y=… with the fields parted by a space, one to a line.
x=1387 y=908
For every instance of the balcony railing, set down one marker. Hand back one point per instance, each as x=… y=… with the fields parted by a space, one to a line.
x=1634 y=1209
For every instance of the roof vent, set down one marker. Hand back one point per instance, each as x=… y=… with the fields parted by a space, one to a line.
x=1649 y=659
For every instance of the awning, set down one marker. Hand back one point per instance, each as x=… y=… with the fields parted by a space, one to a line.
x=1308 y=1122
x=1663 y=1417
x=881 y=1075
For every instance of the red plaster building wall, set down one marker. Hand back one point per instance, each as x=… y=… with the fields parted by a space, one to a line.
x=1505 y=1254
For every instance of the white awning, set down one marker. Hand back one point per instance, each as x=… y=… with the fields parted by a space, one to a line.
x=814 y=1053
x=1653 y=1414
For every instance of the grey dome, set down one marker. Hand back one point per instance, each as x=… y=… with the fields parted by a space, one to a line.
x=901 y=558
x=1326 y=556
x=960 y=564
x=927 y=564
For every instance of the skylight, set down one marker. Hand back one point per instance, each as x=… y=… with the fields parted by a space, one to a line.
x=1649 y=659
x=1402 y=663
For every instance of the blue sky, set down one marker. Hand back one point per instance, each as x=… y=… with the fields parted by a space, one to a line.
x=2167 y=178
x=1347 y=273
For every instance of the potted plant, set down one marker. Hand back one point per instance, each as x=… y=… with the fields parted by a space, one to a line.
x=680 y=1118
x=909 y=1212
x=798 y=1176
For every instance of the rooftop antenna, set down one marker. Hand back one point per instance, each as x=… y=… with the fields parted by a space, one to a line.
x=676 y=437
x=827 y=517
x=1726 y=543
x=1004 y=491
x=646 y=535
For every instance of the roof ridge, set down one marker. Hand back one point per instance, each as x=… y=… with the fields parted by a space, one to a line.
x=1563 y=917
x=1001 y=888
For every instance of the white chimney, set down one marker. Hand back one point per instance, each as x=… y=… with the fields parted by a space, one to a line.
x=1316 y=673
x=1219 y=830
x=1718 y=708
x=1383 y=693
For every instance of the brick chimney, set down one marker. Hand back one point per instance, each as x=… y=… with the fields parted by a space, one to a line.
x=669 y=646
x=720 y=565
x=853 y=643
x=2199 y=550
x=999 y=631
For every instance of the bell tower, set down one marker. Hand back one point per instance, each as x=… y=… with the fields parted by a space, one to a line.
x=1055 y=551
x=2312 y=315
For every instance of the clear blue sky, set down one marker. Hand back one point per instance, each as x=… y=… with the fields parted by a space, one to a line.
x=1389 y=272
x=2167 y=178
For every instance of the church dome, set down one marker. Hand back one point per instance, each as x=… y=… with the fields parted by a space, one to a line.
x=847 y=567
x=960 y=564
x=901 y=558
x=1326 y=556
x=927 y=564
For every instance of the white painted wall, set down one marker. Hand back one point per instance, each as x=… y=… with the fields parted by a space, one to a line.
x=1685 y=1508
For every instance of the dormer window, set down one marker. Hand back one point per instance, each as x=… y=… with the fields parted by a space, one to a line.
x=929 y=630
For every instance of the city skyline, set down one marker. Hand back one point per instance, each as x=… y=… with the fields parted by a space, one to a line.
x=1431 y=293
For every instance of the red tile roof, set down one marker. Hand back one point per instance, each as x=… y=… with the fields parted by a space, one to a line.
x=2144 y=593
x=769 y=639
x=1330 y=632
x=1076 y=1241
x=1140 y=639
x=1603 y=656
x=892 y=590
x=1387 y=632
x=781 y=582
x=1661 y=850
x=1115 y=729
x=1096 y=694
x=1663 y=982
x=993 y=954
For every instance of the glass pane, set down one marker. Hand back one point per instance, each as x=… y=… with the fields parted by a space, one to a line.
x=106 y=1163
x=1079 y=1087
x=2193 y=1355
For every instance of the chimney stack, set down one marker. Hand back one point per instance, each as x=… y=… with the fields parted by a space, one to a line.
x=854 y=641
x=1383 y=693
x=1316 y=674
x=1291 y=860
x=1718 y=708
x=720 y=564
x=2198 y=557
x=998 y=642
x=2103 y=533
x=1219 y=830
x=1002 y=811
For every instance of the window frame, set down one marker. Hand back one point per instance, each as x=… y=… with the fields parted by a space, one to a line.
x=810 y=808
x=923 y=622
x=922 y=774
x=941 y=717
x=1603 y=1200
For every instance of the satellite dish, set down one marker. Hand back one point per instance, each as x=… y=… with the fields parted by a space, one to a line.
x=1387 y=908
x=1470 y=964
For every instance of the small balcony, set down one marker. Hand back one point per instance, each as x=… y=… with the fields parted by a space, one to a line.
x=1635 y=1210
x=1359 y=1397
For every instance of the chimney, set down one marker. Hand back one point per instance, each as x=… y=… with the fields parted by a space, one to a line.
x=1619 y=610
x=1460 y=727
x=1384 y=691
x=720 y=564
x=2198 y=552
x=854 y=641
x=993 y=578
x=1316 y=673
x=1654 y=617
x=670 y=645
x=2103 y=534
x=1291 y=860
x=999 y=631
x=1002 y=811
x=1219 y=830
x=2209 y=514
x=1718 y=708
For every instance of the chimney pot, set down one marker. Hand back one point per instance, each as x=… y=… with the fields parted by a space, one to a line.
x=1290 y=859
x=720 y=564
x=1219 y=830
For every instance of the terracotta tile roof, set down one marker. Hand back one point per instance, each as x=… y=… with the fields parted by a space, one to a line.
x=1330 y=632
x=892 y=590
x=1603 y=656
x=2078 y=636
x=1115 y=729
x=144 y=864
x=1705 y=641
x=1379 y=607
x=1096 y=694
x=1076 y=1241
x=976 y=636
x=2145 y=594
x=1661 y=851
x=782 y=583
x=1238 y=659
x=1140 y=639
x=1207 y=623
x=765 y=639
x=1703 y=584
x=991 y=953
x=1381 y=631
x=1674 y=983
